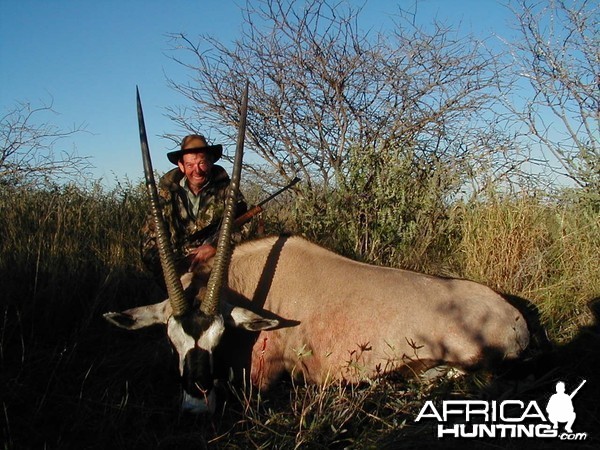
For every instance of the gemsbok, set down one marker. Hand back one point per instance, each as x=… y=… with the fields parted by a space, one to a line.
x=314 y=314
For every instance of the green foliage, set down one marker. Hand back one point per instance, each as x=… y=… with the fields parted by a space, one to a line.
x=390 y=208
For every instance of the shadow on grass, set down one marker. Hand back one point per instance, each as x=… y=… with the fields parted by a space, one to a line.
x=70 y=380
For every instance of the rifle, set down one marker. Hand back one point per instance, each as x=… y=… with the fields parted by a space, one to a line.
x=241 y=220
x=209 y=234
x=577 y=390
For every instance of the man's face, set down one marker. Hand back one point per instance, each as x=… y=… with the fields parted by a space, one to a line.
x=196 y=167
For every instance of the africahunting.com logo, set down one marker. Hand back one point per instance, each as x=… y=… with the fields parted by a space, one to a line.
x=507 y=418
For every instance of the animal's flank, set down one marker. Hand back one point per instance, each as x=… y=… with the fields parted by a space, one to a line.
x=341 y=304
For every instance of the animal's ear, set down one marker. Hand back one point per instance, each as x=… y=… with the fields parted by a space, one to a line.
x=141 y=317
x=244 y=318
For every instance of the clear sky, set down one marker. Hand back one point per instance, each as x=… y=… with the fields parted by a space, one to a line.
x=87 y=56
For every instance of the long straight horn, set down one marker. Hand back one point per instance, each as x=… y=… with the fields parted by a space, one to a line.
x=167 y=259
x=210 y=303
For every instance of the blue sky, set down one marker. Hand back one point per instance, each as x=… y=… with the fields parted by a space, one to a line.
x=87 y=56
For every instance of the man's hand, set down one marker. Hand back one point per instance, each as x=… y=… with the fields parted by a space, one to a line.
x=200 y=255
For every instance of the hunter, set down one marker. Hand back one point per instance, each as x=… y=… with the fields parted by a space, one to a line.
x=192 y=198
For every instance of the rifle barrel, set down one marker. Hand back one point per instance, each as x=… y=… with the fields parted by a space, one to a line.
x=577 y=390
x=285 y=188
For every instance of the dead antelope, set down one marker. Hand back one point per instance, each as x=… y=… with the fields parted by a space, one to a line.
x=318 y=315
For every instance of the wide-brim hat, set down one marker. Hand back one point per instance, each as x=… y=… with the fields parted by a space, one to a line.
x=195 y=143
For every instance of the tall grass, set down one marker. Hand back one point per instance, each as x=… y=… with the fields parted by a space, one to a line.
x=543 y=251
x=68 y=380
x=64 y=246
x=334 y=415
x=66 y=254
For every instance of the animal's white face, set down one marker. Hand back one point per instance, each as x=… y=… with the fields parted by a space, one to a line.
x=194 y=337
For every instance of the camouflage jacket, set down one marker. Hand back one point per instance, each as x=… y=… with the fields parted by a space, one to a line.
x=186 y=231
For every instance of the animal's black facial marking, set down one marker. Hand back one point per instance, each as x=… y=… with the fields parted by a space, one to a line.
x=195 y=323
x=197 y=376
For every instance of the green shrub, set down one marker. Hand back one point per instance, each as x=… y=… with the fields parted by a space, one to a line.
x=389 y=209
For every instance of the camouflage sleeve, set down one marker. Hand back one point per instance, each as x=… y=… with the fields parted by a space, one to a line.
x=181 y=227
x=148 y=247
x=148 y=242
x=239 y=234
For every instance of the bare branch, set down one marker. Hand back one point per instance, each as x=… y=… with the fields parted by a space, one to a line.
x=558 y=56
x=321 y=87
x=27 y=148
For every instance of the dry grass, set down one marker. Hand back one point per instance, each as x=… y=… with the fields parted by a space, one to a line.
x=68 y=380
x=545 y=252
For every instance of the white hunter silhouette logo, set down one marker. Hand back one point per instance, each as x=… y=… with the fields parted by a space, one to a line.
x=560 y=407
x=512 y=418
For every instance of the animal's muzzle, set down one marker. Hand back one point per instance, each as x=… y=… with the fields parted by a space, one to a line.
x=197 y=377
x=199 y=405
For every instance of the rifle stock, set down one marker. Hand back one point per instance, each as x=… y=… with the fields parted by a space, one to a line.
x=247 y=216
